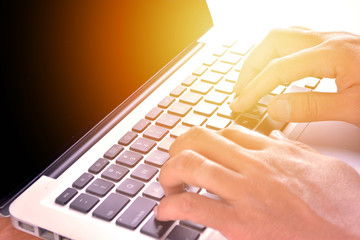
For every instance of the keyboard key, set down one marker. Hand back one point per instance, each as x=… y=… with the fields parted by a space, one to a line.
x=154 y=113
x=210 y=60
x=201 y=87
x=165 y=144
x=225 y=87
x=178 y=130
x=144 y=172
x=215 y=97
x=157 y=158
x=192 y=189
x=176 y=92
x=83 y=180
x=269 y=124
x=189 y=80
x=200 y=70
x=193 y=225
x=114 y=173
x=221 y=67
x=278 y=90
x=211 y=195
x=130 y=187
x=264 y=101
x=155 y=132
x=205 y=109
x=232 y=76
x=241 y=48
x=98 y=166
x=225 y=111
x=110 y=207
x=100 y=187
x=136 y=213
x=66 y=196
x=257 y=111
x=168 y=120
x=180 y=233
x=142 y=145
x=141 y=125
x=211 y=77
x=154 y=191
x=194 y=119
x=166 y=102
x=312 y=82
x=238 y=66
x=84 y=203
x=127 y=138
x=231 y=58
x=190 y=98
x=113 y=151
x=295 y=88
x=219 y=51
x=247 y=122
x=155 y=228
x=218 y=123
x=299 y=83
x=228 y=42
x=179 y=109
x=129 y=158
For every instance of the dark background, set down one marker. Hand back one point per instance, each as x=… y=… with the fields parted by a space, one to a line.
x=66 y=64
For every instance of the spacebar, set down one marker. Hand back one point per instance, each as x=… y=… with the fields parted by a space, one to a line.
x=136 y=213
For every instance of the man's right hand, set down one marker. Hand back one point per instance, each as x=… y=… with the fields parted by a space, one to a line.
x=287 y=55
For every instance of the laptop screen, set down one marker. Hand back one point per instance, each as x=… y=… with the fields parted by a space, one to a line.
x=70 y=63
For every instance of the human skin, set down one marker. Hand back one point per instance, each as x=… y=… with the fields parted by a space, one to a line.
x=273 y=187
x=287 y=55
x=269 y=187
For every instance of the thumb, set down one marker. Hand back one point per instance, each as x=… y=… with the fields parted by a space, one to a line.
x=311 y=106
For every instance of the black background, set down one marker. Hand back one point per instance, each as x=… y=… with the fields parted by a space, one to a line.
x=66 y=64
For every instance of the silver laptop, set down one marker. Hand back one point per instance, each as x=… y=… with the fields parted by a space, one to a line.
x=97 y=93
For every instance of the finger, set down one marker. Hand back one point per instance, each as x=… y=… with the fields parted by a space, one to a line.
x=312 y=106
x=214 y=147
x=317 y=62
x=245 y=137
x=196 y=208
x=194 y=169
x=278 y=43
x=301 y=28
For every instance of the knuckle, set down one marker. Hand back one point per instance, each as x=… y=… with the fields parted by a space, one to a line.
x=229 y=131
x=311 y=106
x=275 y=70
x=195 y=133
x=185 y=159
x=342 y=47
x=275 y=33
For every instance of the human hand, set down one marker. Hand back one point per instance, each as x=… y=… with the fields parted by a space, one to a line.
x=287 y=55
x=270 y=187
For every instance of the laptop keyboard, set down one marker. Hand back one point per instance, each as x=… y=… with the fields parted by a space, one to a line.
x=122 y=185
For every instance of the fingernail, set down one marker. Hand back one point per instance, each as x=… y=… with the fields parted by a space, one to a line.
x=235 y=106
x=279 y=109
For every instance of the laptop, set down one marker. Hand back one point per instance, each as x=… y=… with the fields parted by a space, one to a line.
x=95 y=94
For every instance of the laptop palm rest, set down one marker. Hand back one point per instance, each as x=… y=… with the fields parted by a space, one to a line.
x=333 y=138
